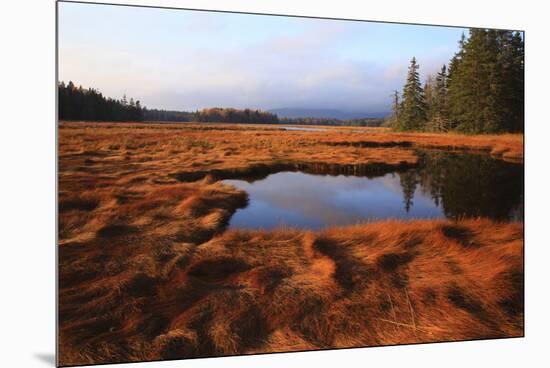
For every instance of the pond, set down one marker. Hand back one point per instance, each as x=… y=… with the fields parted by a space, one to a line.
x=442 y=185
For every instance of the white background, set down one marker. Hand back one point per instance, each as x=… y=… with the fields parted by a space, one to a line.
x=27 y=182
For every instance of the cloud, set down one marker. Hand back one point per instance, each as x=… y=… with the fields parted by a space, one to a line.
x=205 y=62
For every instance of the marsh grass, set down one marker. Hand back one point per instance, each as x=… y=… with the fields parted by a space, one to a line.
x=147 y=269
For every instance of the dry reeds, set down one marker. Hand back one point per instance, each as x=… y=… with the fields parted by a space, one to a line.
x=147 y=270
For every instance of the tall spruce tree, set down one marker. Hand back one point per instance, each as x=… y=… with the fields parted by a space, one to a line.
x=511 y=57
x=430 y=96
x=440 y=116
x=482 y=90
x=412 y=114
x=454 y=94
x=485 y=88
x=395 y=107
x=395 y=103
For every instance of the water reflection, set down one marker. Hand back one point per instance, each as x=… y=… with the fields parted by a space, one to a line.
x=470 y=185
x=304 y=129
x=443 y=185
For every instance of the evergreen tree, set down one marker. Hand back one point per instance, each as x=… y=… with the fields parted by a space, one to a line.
x=430 y=99
x=412 y=115
x=511 y=57
x=89 y=104
x=454 y=94
x=395 y=104
x=437 y=102
x=485 y=84
x=392 y=120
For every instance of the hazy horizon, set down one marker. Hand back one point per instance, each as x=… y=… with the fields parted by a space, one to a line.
x=188 y=60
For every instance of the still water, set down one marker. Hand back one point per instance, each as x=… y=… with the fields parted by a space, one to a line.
x=304 y=129
x=444 y=185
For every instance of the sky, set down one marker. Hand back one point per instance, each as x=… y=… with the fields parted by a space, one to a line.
x=188 y=60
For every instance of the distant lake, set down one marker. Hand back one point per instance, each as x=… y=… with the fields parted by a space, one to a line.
x=305 y=129
x=444 y=185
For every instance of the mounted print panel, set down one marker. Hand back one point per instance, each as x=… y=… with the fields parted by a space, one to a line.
x=233 y=183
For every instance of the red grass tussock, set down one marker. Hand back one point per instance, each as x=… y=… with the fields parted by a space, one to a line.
x=147 y=270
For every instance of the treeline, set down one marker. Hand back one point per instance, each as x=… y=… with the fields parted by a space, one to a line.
x=363 y=122
x=77 y=103
x=214 y=115
x=229 y=115
x=167 y=115
x=480 y=91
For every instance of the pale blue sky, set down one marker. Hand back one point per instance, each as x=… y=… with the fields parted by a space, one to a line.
x=184 y=60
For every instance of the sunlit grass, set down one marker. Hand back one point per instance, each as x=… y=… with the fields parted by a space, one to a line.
x=148 y=271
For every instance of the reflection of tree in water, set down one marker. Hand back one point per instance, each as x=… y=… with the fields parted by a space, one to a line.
x=408 y=183
x=466 y=185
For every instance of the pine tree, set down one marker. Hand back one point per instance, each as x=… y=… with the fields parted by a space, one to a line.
x=430 y=99
x=395 y=104
x=393 y=119
x=440 y=118
x=511 y=61
x=485 y=87
x=89 y=104
x=482 y=90
x=454 y=90
x=412 y=114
